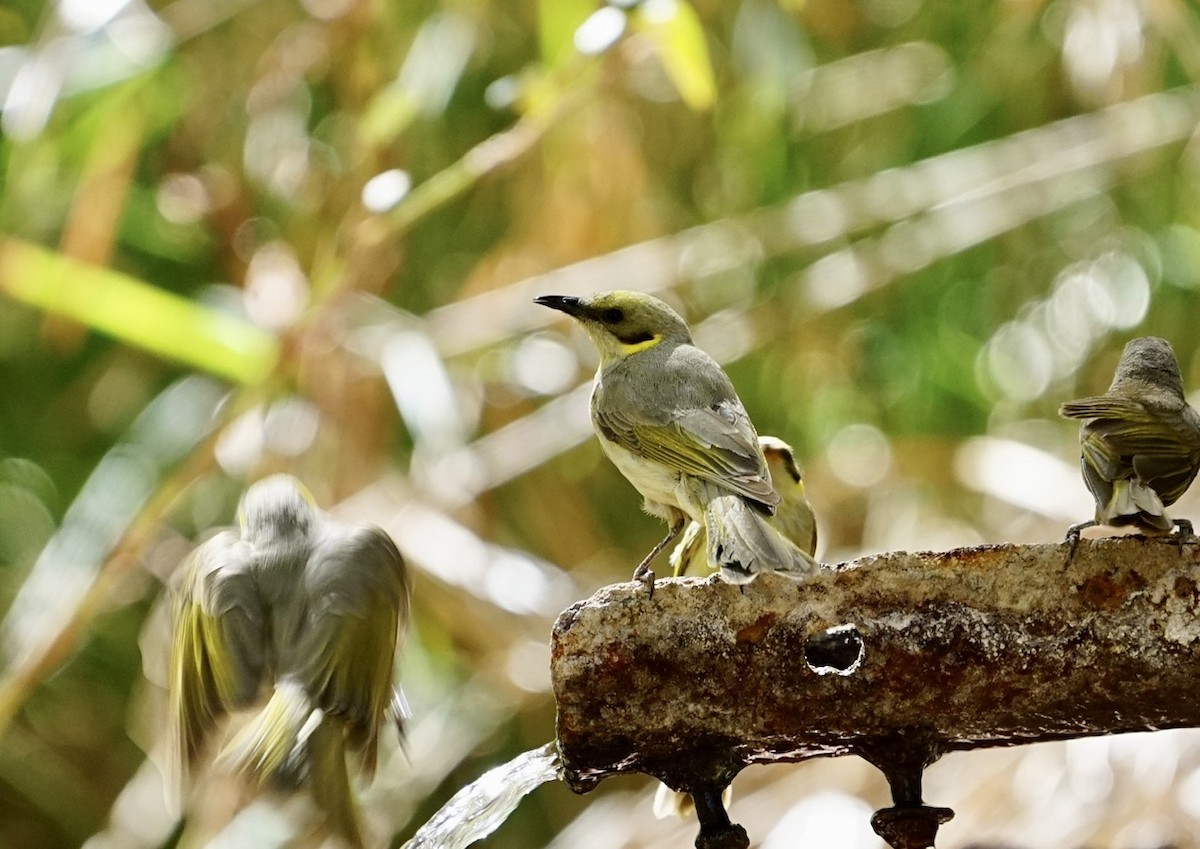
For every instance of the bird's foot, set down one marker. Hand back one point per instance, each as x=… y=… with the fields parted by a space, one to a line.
x=1184 y=534
x=644 y=574
x=1073 y=537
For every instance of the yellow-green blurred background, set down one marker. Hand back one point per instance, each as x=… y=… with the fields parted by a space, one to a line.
x=242 y=236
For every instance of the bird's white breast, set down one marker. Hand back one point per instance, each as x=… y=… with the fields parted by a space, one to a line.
x=658 y=484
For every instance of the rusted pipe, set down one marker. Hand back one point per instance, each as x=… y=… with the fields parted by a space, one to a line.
x=898 y=658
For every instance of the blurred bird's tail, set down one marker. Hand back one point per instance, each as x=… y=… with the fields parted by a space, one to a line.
x=290 y=743
x=742 y=542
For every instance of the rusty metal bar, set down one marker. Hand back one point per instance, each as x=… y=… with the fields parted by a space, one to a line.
x=897 y=658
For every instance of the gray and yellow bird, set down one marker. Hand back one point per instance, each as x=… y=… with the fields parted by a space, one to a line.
x=793 y=516
x=301 y=612
x=668 y=417
x=1139 y=442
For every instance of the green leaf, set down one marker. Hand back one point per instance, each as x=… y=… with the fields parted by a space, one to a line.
x=676 y=30
x=137 y=313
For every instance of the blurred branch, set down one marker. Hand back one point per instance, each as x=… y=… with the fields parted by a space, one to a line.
x=936 y=208
x=362 y=258
x=487 y=157
x=897 y=658
x=454 y=555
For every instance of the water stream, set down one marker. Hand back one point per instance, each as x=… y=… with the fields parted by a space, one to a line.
x=479 y=808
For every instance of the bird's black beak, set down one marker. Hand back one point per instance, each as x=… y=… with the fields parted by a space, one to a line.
x=563 y=303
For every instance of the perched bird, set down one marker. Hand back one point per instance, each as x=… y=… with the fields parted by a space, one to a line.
x=793 y=517
x=304 y=612
x=1140 y=442
x=670 y=420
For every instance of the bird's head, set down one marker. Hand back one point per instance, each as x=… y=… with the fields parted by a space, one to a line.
x=275 y=507
x=781 y=460
x=1149 y=360
x=622 y=323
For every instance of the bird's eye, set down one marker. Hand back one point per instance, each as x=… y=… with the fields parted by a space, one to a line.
x=613 y=315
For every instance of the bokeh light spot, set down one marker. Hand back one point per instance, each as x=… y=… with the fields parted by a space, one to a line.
x=600 y=31
x=544 y=365
x=860 y=455
x=385 y=190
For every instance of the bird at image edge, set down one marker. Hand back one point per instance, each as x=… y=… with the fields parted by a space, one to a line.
x=1139 y=442
x=301 y=611
x=668 y=417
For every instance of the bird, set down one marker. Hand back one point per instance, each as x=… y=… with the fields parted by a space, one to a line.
x=306 y=614
x=793 y=517
x=669 y=419
x=1139 y=443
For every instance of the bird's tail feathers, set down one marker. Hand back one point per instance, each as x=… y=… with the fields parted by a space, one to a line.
x=290 y=743
x=329 y=782
x=744 y=544
x=1133 y=502
x=271 y=747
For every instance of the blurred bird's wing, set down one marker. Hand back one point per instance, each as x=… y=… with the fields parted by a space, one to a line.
x=715 y=443
x=357 y=588
x=218 y=654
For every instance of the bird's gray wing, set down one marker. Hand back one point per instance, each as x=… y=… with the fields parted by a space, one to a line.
x=357 y=588
x=685 y=414
x=1158 y=442
x=716 y=444
x=218 y=654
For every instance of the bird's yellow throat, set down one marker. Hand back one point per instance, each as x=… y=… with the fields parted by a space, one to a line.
x=645 y=344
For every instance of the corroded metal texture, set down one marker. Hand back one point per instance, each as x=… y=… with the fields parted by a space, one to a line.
x=921 y=654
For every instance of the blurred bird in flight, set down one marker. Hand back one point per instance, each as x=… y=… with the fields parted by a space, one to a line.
x=304 y=613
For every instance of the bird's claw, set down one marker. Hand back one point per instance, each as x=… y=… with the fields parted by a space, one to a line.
x=1072 y=543
x=1184 y=534
x=1073 y=537
x=644 y=574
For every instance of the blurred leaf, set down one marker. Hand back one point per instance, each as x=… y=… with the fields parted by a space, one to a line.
x=676 y=30
x=557 y=22
x=136 y=312
x=431 y=71
x=388 y=115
